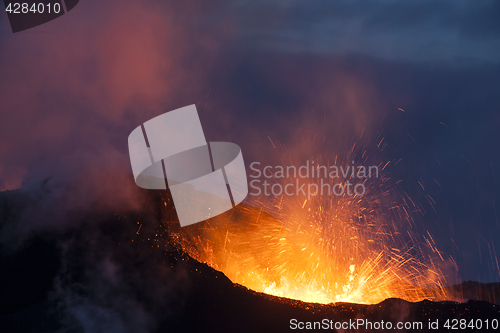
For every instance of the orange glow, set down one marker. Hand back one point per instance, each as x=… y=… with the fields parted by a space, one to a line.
x=325 y=249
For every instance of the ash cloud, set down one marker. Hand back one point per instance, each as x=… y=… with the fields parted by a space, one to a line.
x=72 y=90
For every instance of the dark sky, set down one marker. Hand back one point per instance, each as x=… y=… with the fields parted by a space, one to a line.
x=72 y=90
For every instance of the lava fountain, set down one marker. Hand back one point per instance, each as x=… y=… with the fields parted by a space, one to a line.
x=325 y=248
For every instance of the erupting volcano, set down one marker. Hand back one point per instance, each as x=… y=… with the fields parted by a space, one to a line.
x=325 y=248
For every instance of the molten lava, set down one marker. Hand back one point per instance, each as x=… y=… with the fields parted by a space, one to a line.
x=326 y=249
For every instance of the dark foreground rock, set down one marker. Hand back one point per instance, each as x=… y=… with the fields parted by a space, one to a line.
x=119 y=272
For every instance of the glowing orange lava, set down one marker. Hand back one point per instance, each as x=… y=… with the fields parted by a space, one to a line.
x=327 y=249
